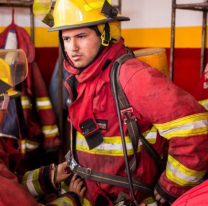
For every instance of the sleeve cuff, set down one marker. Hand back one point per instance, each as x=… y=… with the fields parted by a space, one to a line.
x=164 y=195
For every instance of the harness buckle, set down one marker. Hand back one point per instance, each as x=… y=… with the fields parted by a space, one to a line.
x=88 y=173
x=127 y=115
x=71 y=161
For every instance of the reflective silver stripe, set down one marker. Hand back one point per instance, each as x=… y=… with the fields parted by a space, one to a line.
x=28 y=145
x=30 y=185
x=115 y=145
x=25 y=102
x=151 y=137
x=63 y=191
x=192 y=125
x=50 y=131
x=105 y=146
x=181 y=175
x=43 y=103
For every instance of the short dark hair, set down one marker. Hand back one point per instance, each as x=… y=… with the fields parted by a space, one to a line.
x=95 y=28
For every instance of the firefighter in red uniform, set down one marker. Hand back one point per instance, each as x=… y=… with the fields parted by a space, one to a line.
x=89 y=33
x=42 y=181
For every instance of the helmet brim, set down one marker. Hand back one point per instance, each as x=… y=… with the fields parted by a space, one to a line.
x=118 y=18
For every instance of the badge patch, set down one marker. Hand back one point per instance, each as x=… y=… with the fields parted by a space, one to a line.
x=102 y=124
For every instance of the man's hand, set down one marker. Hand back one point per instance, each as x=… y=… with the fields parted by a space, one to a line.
x=77 y=186
x=158 y=197
x=62 y=172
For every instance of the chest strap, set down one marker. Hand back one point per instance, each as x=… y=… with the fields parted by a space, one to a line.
x=125 y=111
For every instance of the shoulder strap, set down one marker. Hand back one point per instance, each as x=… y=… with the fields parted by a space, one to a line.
x=124 y=109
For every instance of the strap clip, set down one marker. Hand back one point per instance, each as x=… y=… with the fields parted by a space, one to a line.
x=127 y=115
x=71 y=161
x=88 y=173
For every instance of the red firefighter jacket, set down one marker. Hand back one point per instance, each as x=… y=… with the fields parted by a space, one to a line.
x=35 y=113
x=195 y=196
x=201 y=91
x=37 y=184
x=163 y=111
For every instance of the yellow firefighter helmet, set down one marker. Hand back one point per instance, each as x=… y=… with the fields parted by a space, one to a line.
x=69 y=14
x=13 y=70
x=81 y=13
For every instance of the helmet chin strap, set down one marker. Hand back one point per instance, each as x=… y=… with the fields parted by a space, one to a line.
x=106 y=37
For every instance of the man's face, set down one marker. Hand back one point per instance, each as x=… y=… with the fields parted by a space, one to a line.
x=81 y=45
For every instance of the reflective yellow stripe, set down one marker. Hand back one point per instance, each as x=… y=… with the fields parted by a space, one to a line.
x=184 y=169
x=64 y=188
x=150 y=201
x=179 y=181
x=25 y=101
x=23 y=147
x=151 y=135
x=28 y=145
x=182 y=175
x=191 y=125
x=36 y=183
x=86 y=202
x=43 y=103
x=63 y=201
x=112 y=146
x=24 y=179
x=204 y=103
x=50 y=131
x=29 y=184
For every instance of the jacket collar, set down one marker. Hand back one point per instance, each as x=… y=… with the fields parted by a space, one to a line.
x=112 y=52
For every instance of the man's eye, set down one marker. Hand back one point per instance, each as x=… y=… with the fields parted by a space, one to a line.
x=81 y=37
x=65 y=39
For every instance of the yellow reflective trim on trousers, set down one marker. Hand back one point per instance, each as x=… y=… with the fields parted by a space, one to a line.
x=63 y=201
x=50 y=131
x=204 y=103
x=86 y=202
x=186 y=126
x=36 y=183
x=182 y=175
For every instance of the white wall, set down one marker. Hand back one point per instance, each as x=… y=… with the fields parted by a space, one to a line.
x=143 y=14
x=157 y=14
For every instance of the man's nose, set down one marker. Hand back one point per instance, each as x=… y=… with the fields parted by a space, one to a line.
x=74 y=45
